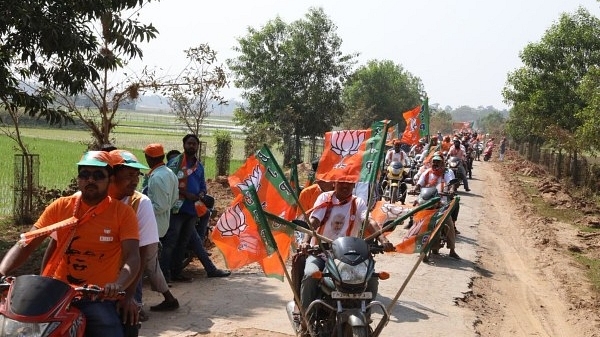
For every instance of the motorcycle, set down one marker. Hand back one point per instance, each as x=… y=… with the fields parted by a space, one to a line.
x=394 y=183
x=453 y=163
x=424 y=195
x=413 y=170
x=343 y=308
x=33 y=305
x=487 y=153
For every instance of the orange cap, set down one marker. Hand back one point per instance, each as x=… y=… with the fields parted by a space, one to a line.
x=154 y=150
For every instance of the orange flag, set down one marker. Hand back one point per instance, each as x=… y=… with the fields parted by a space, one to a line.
x=341 y=159
x=237 y=236
x=413 y=123
x=261 y=171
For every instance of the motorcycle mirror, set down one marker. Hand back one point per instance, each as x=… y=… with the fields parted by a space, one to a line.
x=301 y=223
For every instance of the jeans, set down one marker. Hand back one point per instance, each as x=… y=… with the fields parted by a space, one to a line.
x=197 y=244
x=174 y=243
x=101 y=317
x=463 y=172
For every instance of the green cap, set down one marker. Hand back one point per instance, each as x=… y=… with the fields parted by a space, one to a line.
x=126 y=158
x=95 y=158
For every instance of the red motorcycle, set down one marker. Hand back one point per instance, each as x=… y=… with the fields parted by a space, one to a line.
x=33 y=305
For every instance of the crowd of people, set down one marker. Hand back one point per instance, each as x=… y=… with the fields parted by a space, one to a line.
x=111 y=235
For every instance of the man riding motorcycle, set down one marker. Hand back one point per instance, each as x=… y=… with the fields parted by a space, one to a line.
x=439 y=176
x=335 y=214
x=396 y=154
x=458 y=151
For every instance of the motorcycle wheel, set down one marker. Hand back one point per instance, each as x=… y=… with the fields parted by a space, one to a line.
x=486 y=158
x=355 y=331
x=394 y=194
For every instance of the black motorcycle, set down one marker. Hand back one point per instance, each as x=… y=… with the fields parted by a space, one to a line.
x=344 y=306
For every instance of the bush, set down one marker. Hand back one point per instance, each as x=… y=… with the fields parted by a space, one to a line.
x=222 y=152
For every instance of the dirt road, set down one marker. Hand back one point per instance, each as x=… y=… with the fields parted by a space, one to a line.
x=504 y=284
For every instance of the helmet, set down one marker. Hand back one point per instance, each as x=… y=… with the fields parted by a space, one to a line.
x=426 y=194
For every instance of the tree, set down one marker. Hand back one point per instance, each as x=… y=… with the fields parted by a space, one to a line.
x=291 y=75
x=544 y=92
x=54 y=45
x=440 y=120
x=381 y=90
x=193 y=96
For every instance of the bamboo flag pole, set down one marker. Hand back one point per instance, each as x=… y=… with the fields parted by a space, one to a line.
x=423 y=252
x=271 y=245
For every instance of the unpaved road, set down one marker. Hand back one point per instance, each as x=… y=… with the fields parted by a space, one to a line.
x=504 y=286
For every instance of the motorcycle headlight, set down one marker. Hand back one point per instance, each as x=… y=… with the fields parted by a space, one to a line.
x=453 y=164
x=352 y=274
x=11 y=328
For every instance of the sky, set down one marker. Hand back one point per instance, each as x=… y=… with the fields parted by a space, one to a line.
x=462 y=50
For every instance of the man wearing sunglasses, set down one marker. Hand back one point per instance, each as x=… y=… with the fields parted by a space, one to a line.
x=94 y=241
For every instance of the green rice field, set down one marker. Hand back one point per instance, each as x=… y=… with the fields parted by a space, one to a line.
x=60 y=149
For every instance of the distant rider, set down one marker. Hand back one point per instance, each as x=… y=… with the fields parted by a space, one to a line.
x=459 y=151
x=439 y=176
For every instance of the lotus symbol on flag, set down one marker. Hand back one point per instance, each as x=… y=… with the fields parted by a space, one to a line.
x=413 y=124
x=251 y=180
x=346 y=143
x=232 y=222
x=391 y=211
x=249 y=243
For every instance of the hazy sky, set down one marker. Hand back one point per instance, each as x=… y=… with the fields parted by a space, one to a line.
x=461 y=49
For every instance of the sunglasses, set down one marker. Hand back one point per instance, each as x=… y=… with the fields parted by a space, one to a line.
x=97 y=175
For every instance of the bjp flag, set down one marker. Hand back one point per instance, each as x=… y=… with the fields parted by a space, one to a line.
x=425 y=224
x=353 y=155
x=411 y=133
x=262 y=173
x=237 y=236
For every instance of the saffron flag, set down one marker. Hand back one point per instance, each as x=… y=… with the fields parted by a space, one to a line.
x=417 y=123
x=384 y=211
x=424 y=224
x=352 y=155
x=392 y=134
x=411 y=133
x=261 y=172
x=237 y=236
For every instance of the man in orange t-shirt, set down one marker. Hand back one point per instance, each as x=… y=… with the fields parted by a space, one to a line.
x=94 y=241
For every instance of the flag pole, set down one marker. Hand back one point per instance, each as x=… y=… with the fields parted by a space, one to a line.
x=375 y=170
x=270 y=243
x=278 y=170
x=419 y=260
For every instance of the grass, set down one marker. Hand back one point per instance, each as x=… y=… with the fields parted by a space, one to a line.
x=543 y=208
x=60 y=149
x=593 y=269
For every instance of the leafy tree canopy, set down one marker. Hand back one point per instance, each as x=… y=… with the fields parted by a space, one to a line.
x=381 y=90
x=54 y=44
x=544 y=92
x=291 y=76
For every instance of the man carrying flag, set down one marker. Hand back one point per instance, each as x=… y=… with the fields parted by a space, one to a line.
x=335 y=214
